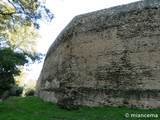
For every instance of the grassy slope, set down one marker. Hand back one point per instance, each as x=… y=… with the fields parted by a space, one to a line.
x=33 y=108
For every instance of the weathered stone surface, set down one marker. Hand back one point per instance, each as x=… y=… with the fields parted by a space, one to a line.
x=109 y=57
x=51 y=85
x=48 y=96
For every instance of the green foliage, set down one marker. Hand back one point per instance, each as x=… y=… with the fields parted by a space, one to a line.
x=30 y=92
x=33 y=108
x=9 y=62
x=19 y=24
x=5 y=95
x=24 y=12
x=16 y=91
x=18 y=37
x=29 y=88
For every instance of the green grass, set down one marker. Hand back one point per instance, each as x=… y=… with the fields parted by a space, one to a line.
x=33 y=108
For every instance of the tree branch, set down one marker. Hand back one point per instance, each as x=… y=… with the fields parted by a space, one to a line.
x=11 y=13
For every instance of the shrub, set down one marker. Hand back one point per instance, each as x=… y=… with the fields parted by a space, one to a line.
x=16 y=91
x=6 y=95
x=30 y=92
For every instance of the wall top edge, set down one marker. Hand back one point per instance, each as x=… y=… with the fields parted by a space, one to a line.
x=88 y=17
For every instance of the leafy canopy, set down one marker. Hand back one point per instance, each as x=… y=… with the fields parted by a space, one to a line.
x=19 y=23
x=9 y=62
x=18 y=36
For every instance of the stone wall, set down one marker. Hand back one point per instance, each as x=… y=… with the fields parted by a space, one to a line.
x=109 y=57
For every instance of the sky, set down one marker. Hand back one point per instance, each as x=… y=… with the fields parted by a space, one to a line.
x=64 y=11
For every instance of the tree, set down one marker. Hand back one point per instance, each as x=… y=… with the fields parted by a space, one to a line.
x=18 y=36
x=19 y=23
x=9 y=62
x=20 y=79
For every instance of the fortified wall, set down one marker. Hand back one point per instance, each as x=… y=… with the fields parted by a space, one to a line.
x=110 y=57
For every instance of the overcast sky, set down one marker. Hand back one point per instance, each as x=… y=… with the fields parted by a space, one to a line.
x=64 y=11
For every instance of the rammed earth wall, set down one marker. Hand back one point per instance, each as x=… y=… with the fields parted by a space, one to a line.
x=110 y=57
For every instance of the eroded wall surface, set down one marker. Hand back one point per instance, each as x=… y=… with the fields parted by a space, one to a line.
x=109 y=57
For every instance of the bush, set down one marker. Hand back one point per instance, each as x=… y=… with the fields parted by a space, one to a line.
x=16 y=91
x=30 y=92
x=5 y=95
